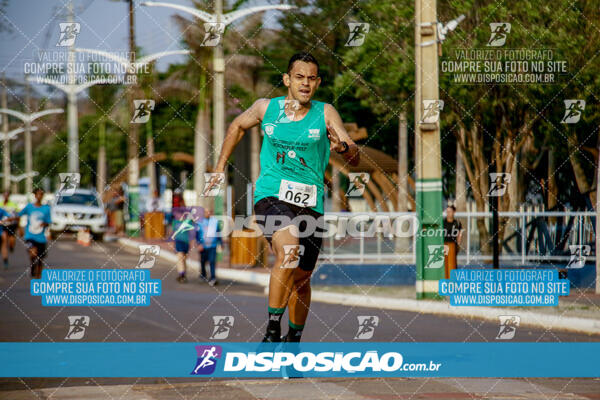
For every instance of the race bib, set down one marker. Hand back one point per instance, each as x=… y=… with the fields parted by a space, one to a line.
x=36 y=220
x=298 y=194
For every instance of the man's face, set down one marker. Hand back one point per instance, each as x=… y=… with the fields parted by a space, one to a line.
x=39 y=195
x=302 y=81
x=207 y=213
x=450 y=212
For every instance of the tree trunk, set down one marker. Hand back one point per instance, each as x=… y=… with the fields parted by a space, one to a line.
x=132 y=138
x=477 y=171
x=580 y=178
x=402 y=164
x=335 y=191
x=461 y=184
x=151 y=169
x=201 y=144
x=254 y=153
x=101 y=168
x=402 y=244
x=552 y=193
x=598 y=220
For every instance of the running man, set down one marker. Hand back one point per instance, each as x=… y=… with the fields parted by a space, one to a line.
x=5 y=220
x=10 y=231
x=38 y=219
x=299 y=134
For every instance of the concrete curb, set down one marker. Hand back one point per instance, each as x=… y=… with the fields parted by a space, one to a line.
x=530 y=318
x=255 y=278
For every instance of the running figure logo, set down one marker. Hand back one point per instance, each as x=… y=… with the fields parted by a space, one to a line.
x=579 y=253
x=213 y=183
x=358 y=183
x=186 y=221
x=223 y=325
x=148 y=254
x=292 y=253
x=69 y=182
x=508 y=326
x=77 y=325
x=214 y=32
x=431 y=111
x=573 y=111
x=142 y=111
x=500 y=31
x=287 y=111
x=498 y=183
x=68 y=33
x=366 y=326
x=435 y=255
x=358 y=33
x=207 y=359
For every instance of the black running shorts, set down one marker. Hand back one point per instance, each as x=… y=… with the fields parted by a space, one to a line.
x=273 y=214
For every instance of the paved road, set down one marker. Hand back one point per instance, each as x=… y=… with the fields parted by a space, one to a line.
x=183 y=313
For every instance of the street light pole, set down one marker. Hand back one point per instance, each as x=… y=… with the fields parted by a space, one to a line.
x=27 y=119
x=6 y=147
x=218 y=67
x=428 y=153
x=6 y=138
x=72 y=123
x=133 y=66
x=71 y=90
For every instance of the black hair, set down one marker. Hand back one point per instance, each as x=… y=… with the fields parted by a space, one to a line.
x=303 y=56
x=37 y=189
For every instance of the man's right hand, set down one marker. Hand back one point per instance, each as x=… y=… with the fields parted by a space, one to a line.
x=200 y=247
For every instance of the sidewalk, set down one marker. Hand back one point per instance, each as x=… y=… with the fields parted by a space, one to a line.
x=579 y=312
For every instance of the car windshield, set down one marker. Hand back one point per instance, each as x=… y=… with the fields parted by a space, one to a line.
x=80 y=199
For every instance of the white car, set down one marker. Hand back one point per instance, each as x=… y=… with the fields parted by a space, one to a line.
x=83 y=209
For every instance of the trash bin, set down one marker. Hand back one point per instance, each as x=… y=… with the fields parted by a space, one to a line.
x=154 y=225
x=244 y=248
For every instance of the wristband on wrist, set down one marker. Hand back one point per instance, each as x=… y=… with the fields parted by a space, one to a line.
x=346 y=148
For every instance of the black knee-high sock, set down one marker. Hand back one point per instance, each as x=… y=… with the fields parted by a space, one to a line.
x=274 y=324
x=294 y=333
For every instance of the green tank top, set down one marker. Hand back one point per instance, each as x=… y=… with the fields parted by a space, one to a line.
x=296 y=151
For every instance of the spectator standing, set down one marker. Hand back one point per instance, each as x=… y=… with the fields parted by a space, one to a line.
x=208 y=238
x=452 y=238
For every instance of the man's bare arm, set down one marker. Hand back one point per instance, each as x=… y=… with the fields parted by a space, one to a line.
x=337 y=134
x=246 y=120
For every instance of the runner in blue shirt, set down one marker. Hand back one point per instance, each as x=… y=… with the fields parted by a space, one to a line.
x=38 y=219
x=4 y=221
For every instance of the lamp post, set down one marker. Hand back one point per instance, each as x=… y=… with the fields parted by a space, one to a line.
x=27 y=119
x=18 y=178
x=6 y=137
x=71 y=90
x=429 y=33
x=132 y=68
x=221 y=21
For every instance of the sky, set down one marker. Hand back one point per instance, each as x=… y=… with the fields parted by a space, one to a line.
x=104 y=26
